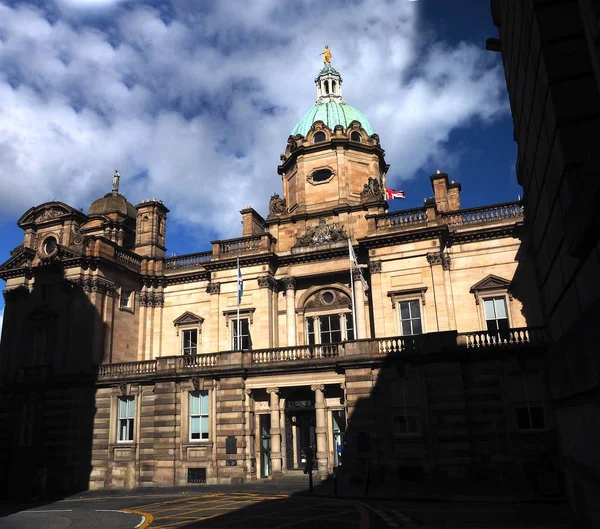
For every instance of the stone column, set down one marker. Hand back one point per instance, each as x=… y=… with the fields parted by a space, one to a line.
x=250 y=435
x=359 y=299
x=321 y=430
x=275 y=430
x=290 y=309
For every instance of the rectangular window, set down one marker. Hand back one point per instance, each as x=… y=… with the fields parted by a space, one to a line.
x=244 y=343
x=496 y=317
x=199 y=416
x=190 y=342
x=126 y=299
x=310 y=330
x=28 y=413
x=410 y=317
x=528 y=401
x=126 y=416
x=349 y=326
x=331 y=331
x=405 y=402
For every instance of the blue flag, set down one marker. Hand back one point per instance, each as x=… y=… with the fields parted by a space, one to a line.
x=240 y=282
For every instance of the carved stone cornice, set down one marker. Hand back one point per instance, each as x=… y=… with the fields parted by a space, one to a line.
x=96 y=285
x=289 y=283
x=375 y=267
x=152 y=299
x=356 y=274
x=439 y=258
x=11 y=294
x=213 y=288
x=268 y=282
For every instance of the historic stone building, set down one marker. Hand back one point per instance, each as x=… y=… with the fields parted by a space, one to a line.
x=121 y=367
x=551 y=56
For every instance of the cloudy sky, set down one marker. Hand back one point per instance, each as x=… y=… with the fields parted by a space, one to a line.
x=193 y=101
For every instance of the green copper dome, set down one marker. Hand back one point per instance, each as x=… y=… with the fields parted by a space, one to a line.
x=331 y=113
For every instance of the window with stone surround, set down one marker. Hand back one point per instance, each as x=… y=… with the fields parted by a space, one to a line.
x=126 y=299
x=494 y=300
x=189 y=328
x=199 y=407
x=405 y=398
x=126 y=417
x=527 y=395
x=409 y=305
x=319 y=137
x=244 y=326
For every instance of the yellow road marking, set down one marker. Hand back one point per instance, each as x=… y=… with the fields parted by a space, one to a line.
x=148 y=518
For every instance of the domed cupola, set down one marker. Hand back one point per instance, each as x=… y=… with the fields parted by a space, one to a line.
x=112 y=216
x=330 y=107
x=331 y=154
x=113 y=203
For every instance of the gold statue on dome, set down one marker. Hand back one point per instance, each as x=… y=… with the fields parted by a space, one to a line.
x=326 y=55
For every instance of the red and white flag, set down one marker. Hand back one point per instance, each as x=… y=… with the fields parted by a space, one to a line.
x=391 y=194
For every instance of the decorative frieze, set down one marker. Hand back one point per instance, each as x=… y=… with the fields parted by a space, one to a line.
x=323 y=233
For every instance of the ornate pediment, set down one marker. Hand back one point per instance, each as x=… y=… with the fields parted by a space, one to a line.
x=188 y=318
x=20 y=257
x=491 y=282
x=322 y=234
x=50 y=211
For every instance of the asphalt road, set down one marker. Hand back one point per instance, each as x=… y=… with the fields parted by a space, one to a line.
x=246 y=510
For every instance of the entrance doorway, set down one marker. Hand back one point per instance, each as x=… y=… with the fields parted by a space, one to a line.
x=300 y=428
x=338 y=420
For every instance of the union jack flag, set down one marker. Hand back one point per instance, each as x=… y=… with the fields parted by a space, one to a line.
x=391 y=194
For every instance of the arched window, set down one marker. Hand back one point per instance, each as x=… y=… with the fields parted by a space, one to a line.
x=355 y=136
x=326 y=87
x=319 y=136
x=328 y=316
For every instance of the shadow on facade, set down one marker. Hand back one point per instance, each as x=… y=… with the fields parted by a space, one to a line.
x=51 y=340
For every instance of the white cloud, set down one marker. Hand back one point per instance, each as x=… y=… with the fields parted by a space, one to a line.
x=200 y=98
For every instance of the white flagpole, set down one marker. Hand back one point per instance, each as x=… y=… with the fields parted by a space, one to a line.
x=237 y=280
x=352 y=288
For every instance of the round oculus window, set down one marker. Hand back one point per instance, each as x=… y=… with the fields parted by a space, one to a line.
x=328 y=297
x=50 y=245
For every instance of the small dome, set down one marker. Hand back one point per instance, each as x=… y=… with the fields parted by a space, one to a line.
x=112 y=203
x=331 y=113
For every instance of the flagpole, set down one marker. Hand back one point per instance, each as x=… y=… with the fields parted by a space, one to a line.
x=238 y=305
x=352 y=287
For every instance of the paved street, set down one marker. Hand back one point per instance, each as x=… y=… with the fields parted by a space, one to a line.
x=273 y=510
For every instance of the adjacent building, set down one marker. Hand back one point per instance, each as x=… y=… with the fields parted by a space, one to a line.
x=423 y=359
x=550 y=52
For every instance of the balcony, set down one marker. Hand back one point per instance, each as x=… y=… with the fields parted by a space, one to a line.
x=420 y=347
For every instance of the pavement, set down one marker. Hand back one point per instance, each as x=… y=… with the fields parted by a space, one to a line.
x=269 y=504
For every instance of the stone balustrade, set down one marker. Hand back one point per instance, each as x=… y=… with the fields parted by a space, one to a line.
x=498 y=212
x=373 y=350
x=427 y=216
x=190 y=260
x=290 y=354
x=510 y=337
x=128 y=258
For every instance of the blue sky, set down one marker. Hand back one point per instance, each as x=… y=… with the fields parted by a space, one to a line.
x=193 y=101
